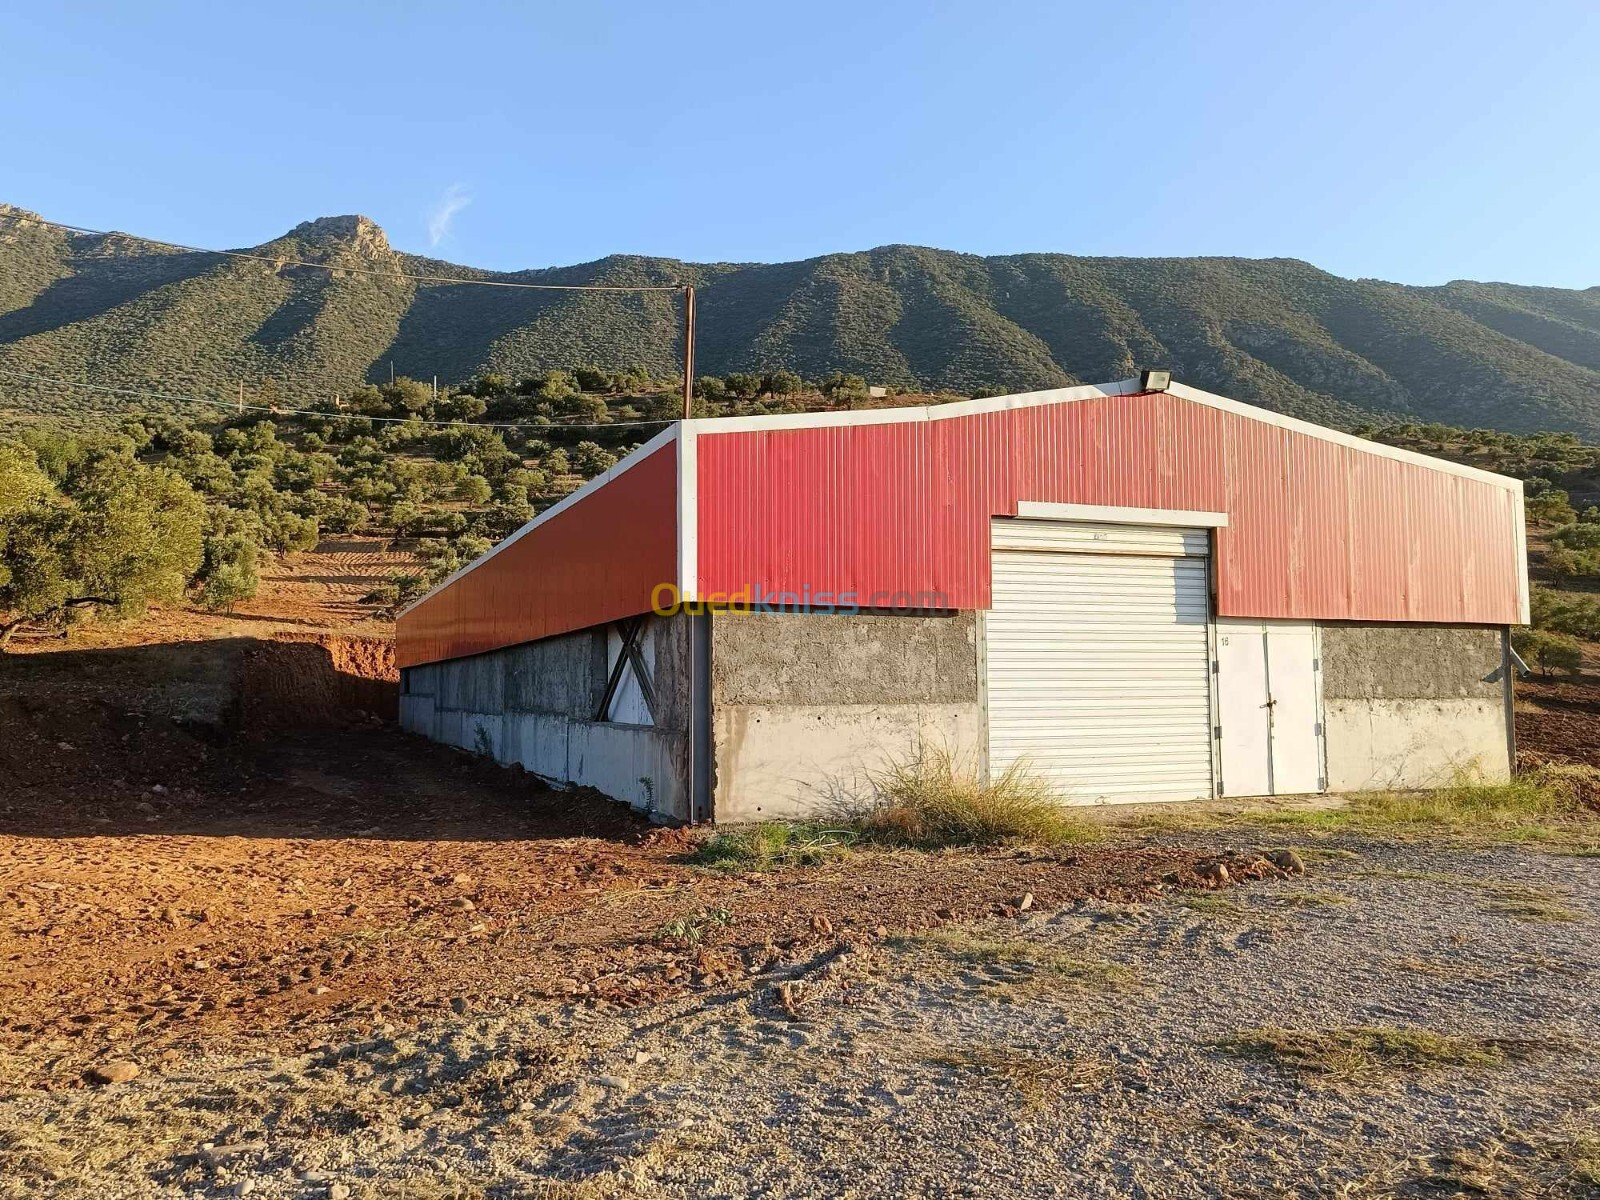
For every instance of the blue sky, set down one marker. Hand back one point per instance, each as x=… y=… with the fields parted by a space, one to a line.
x=1419 y=142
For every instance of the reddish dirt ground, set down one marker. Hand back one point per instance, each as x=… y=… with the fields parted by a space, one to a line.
x=178 y=887
x=206 y=827
x=1560 y=718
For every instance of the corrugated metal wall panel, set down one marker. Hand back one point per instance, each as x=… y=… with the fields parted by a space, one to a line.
x=597 y=561
x=1317 y=529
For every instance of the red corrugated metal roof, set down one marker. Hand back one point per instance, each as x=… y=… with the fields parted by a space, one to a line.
x=895 y=504
x=594 y=561
x=1318 y=527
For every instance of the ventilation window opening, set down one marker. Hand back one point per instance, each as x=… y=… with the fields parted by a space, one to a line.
x=629 y=697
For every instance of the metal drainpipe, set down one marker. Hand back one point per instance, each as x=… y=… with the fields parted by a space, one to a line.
x=694 y=722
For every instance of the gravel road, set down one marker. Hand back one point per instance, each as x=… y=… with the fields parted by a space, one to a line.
x=1065 y=1053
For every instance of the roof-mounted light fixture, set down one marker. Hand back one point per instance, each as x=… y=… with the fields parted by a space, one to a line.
x=1155 y=381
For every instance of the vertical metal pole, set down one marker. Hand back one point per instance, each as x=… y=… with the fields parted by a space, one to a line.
x=688 y=350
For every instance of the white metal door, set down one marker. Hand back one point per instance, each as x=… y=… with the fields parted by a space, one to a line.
x=1245 y=719
x=1293 y=679
x=1269 y=701
x=1098 y=662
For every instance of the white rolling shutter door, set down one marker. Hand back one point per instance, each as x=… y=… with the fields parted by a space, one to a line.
x=1098 y=659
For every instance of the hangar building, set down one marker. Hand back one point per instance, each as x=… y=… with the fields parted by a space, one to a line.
x=1139 y=593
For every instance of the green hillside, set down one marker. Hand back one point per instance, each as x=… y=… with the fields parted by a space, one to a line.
x=1276 y=332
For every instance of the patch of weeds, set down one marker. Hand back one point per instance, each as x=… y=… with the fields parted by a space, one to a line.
x=691 y=928
x=424 y=1187
x=1547 y=807
x=1324 y=854
x=1582 y=1156
x=1307 y=899
x=1531 y=807
x=974 y=950
x=1035 y=1080
x=1468 y=1171
x=1214 y=906
x=774 y=845
x=1417 y=965
x=933 y=801
x=1363 y=1050
x=1523 y=1164
x=1538 y=910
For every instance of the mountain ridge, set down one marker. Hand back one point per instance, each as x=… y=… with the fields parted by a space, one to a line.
x=1280 y=332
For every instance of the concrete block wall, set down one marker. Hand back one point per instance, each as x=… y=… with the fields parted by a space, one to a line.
x=534 y=705
x=806 y=705
x=1415 y=706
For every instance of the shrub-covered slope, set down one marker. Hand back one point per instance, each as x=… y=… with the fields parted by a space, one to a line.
x=1276 y=332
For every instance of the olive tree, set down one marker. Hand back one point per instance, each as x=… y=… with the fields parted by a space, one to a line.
x=124 y=536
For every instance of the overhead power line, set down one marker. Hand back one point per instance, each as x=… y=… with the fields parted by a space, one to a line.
x=293 y=262
x=278 y=410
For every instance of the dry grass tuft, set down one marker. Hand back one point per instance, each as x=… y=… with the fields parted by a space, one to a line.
x=1362 y=1050
x=1036 y=1080
x=1325 y=854
x=933 y=801
x=1582 y=1157
x=1302 y=899
x=1534 y=909
x=1214 y=906
x=1061 y=967
x=423 y=1188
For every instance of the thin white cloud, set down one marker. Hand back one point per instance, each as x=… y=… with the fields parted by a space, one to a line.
x=443 y=214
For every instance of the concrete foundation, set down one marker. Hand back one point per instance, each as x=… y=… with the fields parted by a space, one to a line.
x=1415 y=706
x=535 y=705
x=805 y=706
x=773 y=715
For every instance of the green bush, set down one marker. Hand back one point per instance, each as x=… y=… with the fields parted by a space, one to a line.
x=228 y=572
x=844 y=389
x=710 y=387
x=1577 y=535
x=774 y=845
x=1572 y=564
x=1547 y=652
x=118 y=537
x=782 y=382
x=1564 y=612
x=1550 y=508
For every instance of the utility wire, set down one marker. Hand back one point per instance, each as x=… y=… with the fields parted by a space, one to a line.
x=331 y=416
x=291 y=262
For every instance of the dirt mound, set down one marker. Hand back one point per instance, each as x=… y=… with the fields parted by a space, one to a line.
x=111 y=740
x=317 y=681
x=91 y=763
